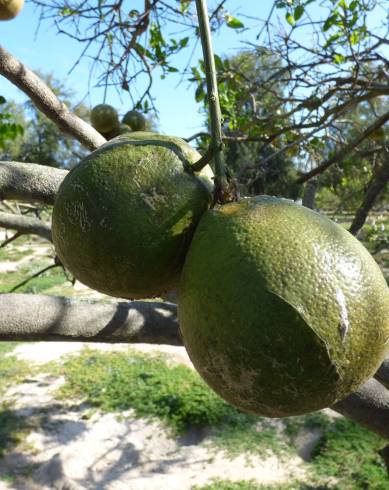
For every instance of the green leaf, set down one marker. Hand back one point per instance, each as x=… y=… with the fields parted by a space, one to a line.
x=233 y=22
x=183 y=42
x=218 y=62
x=298 y=12
x=290 y=19
x=199 y=94
x=330 y=22
x=338 y=59
x=184 y=6
x=353 y=5
x=2 y=100
x=332 y=39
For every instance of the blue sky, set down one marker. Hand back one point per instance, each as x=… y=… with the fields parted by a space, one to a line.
x=55 y=53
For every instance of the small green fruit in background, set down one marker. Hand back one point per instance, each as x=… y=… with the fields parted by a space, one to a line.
x=124 y=217
x=122 y=129
x=9 y=9
x=104 y=118
x=281 y=310
x=135 y=120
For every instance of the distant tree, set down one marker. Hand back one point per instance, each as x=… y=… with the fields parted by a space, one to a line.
x=10 y=129
x=41 y=141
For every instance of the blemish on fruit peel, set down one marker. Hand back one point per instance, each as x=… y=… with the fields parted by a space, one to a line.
x=344 y=323
x=164 y=313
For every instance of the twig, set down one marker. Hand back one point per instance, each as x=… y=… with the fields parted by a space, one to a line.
x=28 y=279
x=204 y=160
x=221 y=182
x=25 y=225
x=11 y=239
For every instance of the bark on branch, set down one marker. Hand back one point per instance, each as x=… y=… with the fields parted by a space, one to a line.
x=47 y=102
x=369 y=406
x=25 y=225
x=27 y=317
x=29 y=182
x=32 y=317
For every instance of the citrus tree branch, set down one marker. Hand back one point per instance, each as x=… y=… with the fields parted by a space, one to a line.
x=47 y=102
x=25 y=225
x=375 y=187
x=27 y=317
x=369 y=406
x=29 y=182
x=383 y=373
x=345 y=150
x=34 y=317
x=213 y=96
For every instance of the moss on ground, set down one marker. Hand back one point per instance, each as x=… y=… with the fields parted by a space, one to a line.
x=219 y=484
x=176 y=395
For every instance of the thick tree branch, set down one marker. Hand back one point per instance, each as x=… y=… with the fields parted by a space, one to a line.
x=47 y=102
x=376 y=185
x=369 y=406
x=383 y=373
x=29 y=182
x=347 y=149
x=25 y=225
x=49 y=318
x=27 y=317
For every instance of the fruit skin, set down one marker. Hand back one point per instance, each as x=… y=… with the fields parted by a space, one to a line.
x=281 y=310
x=104 y=118
x=9 y=9
x=123 y=218
x=135 y=120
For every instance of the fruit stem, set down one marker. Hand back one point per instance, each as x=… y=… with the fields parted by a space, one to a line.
x=221 y=182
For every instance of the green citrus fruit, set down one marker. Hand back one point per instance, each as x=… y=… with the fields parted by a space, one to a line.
x=281 y=310
x=104 y=118
x=122 y=129
x=10 y=8
x=135 y=120
x=124 y=217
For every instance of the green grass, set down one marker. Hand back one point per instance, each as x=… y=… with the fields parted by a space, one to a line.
x=13 y=254
x=219 y=484
x=13 y=429
x=350 y=454
x=177 y=396
x=174 y=394
x=6 y=347
x=41 y=284
x=240 y=432
x=12 y=370
x=121 y=381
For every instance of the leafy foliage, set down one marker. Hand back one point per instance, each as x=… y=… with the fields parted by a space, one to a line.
x=9 y=129
x=38 y=139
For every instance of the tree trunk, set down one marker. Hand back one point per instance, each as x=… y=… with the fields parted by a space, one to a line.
x=310 y=194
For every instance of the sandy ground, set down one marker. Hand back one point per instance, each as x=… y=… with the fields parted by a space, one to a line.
x=71 y=449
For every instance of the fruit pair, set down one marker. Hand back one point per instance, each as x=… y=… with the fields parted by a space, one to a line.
x=282 y=311
x=105 y=119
